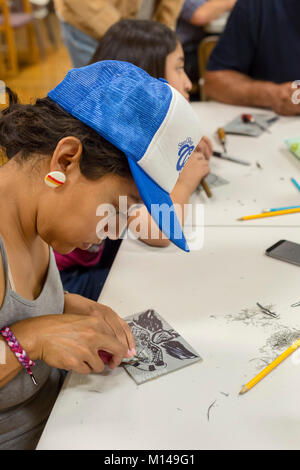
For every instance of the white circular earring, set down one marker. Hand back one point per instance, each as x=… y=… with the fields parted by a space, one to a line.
x=55 y=179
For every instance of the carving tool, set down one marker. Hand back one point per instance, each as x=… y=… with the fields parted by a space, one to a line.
x=222 y=138
x=231 y=159
x=206 y=188
x=267 y=311
x=248 y=118
x=270 y=367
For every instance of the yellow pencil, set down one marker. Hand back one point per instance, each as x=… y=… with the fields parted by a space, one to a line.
x=270 y=367
x=269 y=214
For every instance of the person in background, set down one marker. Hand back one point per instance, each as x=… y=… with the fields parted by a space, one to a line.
x=257 y=58
x=155 y=48
x=83 y=23
x=196 y=14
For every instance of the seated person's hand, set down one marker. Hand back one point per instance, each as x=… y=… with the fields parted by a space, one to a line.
x=282 y=102
x=194 y=171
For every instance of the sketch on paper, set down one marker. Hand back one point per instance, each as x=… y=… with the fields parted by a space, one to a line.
x=160 y=349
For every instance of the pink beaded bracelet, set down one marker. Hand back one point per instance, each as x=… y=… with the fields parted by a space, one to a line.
x=19 y=352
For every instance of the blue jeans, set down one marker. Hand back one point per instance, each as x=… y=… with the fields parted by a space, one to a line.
x=81 y=47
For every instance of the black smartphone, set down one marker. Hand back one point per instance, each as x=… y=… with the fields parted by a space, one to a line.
x=285 y=251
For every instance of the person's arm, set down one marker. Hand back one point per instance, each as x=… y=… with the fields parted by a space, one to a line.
x=167 y=12
x=210 y=11
x=232 y=87
x=69 y=342
x=227 y=78
x=76 y=304
x=192 y=174
x=94 y=17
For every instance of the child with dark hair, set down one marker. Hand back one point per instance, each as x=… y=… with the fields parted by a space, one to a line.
x=156 y=49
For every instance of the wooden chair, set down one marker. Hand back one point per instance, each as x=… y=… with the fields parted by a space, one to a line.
x=204 y=51
x=11 y=21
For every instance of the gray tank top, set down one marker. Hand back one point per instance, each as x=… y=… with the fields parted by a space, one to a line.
x=24 y=407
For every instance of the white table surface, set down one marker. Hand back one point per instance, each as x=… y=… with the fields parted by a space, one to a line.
x=196 y=293
x=250 y=189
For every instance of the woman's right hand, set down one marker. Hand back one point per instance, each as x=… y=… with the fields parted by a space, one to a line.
x=70 y=342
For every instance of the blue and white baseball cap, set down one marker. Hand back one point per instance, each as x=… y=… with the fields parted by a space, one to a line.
x=147 y=119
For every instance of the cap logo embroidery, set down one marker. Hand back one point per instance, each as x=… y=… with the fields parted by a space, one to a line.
x=186 y=149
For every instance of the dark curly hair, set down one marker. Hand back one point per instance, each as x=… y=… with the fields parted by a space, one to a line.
x=28 y=129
